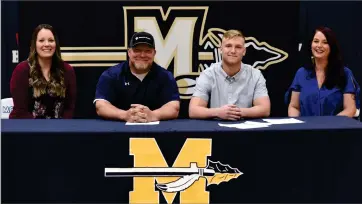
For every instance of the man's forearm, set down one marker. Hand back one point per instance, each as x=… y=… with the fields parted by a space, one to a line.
x=109 y=111
x=199 y=112
x=166 y=112
x=255 y=112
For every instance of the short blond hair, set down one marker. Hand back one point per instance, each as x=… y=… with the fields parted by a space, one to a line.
x=233 y=33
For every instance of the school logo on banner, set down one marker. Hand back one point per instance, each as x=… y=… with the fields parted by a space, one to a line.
x=189 y=176
x=184 y=45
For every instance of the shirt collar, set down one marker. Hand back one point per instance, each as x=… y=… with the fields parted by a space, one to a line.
x=236 y=77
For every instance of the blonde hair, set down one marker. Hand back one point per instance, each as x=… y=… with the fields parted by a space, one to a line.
x=233 y=33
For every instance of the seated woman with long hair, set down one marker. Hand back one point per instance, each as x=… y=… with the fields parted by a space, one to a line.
x=324 y=86
x=43 y=86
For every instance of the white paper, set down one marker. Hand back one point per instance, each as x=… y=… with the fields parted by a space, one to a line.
x=149 y=123
x=283 y=121
x=246 y=125
x=256 y=123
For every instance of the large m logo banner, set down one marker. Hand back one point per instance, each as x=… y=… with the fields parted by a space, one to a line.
x=184 y=44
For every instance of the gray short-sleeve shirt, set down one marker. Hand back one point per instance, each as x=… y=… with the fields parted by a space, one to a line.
x=241 y=89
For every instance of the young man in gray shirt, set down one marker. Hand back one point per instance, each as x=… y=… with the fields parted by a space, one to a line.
x=234 y=90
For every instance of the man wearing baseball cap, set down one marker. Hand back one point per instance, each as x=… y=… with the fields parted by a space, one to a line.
x=138 y=90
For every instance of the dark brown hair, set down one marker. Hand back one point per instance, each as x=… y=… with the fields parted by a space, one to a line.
x=36 y=80
x=335 y=75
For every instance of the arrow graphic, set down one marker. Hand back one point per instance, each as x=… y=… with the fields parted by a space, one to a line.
x=215 y=173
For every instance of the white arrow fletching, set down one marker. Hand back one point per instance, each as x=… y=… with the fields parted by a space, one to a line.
x=178 y=185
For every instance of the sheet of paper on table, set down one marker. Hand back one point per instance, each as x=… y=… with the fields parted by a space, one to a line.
x=246 y=125
x=283 y=121
x=149 y=123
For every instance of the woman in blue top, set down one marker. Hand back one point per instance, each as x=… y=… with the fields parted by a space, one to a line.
x=323 y=87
